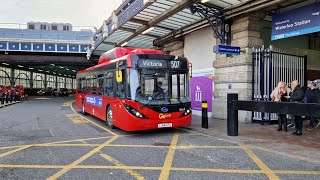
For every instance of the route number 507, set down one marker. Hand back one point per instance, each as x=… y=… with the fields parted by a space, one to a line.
x=175 y=64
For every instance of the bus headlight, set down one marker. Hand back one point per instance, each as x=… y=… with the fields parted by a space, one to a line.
x=186 y=112
x=134 y=112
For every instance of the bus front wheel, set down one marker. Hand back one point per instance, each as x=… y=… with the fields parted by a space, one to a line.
x=83 y=108
x=109 y=118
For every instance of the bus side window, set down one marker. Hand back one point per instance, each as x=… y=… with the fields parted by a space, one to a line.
x=100 y=84
x=121 y=87
x=108 y=89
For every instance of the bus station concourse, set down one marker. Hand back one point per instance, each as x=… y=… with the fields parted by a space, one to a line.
x=165 y=89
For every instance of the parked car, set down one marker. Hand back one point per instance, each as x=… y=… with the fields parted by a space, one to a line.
x=41 y=92
x=61 y=92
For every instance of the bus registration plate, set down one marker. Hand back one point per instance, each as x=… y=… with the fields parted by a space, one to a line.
x=164 y=125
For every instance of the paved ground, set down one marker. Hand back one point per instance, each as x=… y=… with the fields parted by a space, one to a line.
x=47 y=138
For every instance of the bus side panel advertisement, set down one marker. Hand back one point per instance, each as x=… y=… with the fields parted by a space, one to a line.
x=304 y=20
x=94 y=100
x=201 y=90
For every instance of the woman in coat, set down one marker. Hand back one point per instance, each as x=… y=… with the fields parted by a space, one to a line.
x=280 y=94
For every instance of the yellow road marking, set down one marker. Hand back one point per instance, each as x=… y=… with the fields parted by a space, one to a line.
x=208 y=147
x=93 y=122
x=71 y=115
x=297 y=172
x=14 y=151
x=169 y=159
x=160 y=168
x=260 y=163
x=207 y=135
x=125 y=168
x=286 y=154
x=67 y=145
x=31 y=166
x=83 y=158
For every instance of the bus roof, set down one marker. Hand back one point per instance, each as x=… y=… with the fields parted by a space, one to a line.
x=119 y=52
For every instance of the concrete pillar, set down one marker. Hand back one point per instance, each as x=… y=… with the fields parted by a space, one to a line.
x=234 y=74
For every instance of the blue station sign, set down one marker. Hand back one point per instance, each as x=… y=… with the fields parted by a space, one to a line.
x=223 y=49
x=304 y=20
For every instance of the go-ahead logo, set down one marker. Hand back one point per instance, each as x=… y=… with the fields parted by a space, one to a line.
x=164 y=116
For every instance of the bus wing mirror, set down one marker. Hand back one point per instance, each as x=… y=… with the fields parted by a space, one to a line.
x=119 y=76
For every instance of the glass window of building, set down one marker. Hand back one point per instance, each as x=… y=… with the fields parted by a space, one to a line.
x=38 y=80
x=61 y=82
x=4 y=75
x=22 y=78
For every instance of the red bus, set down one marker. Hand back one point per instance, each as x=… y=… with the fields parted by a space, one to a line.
x=136 y=89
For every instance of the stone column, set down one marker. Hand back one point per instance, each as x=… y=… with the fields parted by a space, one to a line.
x=234 y=74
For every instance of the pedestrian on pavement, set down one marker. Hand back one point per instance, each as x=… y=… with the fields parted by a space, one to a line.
x=281 y=94
x=312 y=96
x=297 y=96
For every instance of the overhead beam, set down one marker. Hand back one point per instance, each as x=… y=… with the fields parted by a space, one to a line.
x=173 y=10
x=132 y=31
x=109 y=43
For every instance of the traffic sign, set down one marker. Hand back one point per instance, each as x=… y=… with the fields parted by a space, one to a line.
x=223 y=49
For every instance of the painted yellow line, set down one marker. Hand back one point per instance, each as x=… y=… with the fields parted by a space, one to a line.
x=297 y=172
x=14 y=151
x=75 y=140
x=125 y=168
x=240 y=171
x=10 y=147
x=285 y=154
x=67 y=145
x=31 y=166
x=169 y=159
x=207 y=135
x=160 y=168
x=136 y=145
x=83 y=158
x=93 y=122
x=208 y=147
x=260 y=163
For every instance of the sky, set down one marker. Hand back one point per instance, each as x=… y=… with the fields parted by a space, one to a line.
x=76 y=12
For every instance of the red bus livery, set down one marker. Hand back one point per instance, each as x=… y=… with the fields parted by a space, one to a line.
x=136 y=89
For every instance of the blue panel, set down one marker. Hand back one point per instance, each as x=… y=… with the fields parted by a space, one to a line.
x=26 y=46
x=62 y=47
x=222 y=49
x=73 y=48
x=94 y=100
x=50 y=47
x=13 y=46
x=304 y=20
x=37 y=47
x=83 y=48
x=3 y=45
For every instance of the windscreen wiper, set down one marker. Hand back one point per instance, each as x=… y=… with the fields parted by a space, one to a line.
x=147 y=103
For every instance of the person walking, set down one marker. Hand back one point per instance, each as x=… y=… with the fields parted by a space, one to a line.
x=297 y=96
x=281 y=94
x=312 y=96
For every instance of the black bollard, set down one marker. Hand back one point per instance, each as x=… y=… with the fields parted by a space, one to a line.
x=7 y=98
x=232 y=116
x=204 y=123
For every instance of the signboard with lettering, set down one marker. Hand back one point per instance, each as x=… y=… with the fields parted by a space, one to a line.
x=162 y=64
x=94 y=100
x=131 y=10
x=201 y=90
x=304 y=20
x=223 y=49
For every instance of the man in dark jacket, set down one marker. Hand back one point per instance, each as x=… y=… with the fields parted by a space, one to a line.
x=297 y=96
x=313 y=97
